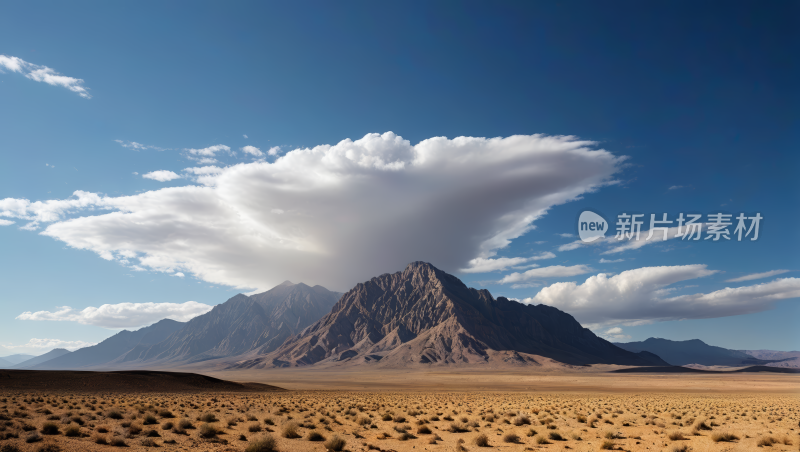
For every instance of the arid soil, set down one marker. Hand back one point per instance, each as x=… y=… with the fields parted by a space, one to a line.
x=420 y=411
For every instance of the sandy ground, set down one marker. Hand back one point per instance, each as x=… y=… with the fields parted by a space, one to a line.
x=522 y=380
x=414 y=410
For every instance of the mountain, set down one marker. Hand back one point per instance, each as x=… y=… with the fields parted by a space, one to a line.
x=778 y=358
x=16 y=359
x=694 y=351
x=257 y=323
x=5 y=364
x=423 y=315
x=54 y=353
x=101 y=354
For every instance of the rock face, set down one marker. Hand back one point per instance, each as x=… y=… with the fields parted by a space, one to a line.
x=423 y=315
x=258 y=323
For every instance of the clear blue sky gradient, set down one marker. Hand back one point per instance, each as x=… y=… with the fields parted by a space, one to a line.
x=700 y=95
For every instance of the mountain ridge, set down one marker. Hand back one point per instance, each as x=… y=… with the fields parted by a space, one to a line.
x=422 y=315
x=694 y=351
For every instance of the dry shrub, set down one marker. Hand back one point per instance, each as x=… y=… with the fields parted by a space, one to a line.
x=335 y=444
x=185 y=424
x=290 y=431
x=676 y=436
x=423 y=430
x=99 y=439
x=539 y=439
x=147 y=442
x=520 y=420
x=265 y=443
x=481 y=440
x=723 y=437
x=405 y=436
x=50 y=428
x=766 y=441
x=208 y=431
x=208 y=417
x=118 y=442
x=607 y=444
x=679 y=448
x=458 y=427
x=149 y=420
x=315 y=436
x=555 y=436
x=510 y=437
x=254 y=428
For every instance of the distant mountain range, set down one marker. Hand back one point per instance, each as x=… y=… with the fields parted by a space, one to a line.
x=102 y=354
x=420 y=316
x=12 y=360
x=695 y=351
x=423 y=315
x=52 y=354
x=257 y=323
x=779 y=359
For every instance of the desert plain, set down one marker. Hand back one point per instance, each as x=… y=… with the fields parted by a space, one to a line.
x=407 y=410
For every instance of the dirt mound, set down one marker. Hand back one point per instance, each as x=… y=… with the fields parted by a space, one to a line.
x=122 y=381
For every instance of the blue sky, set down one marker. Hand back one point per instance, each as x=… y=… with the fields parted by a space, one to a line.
x=701 y=99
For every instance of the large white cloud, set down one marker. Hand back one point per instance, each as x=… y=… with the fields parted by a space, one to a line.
x=337 y=215
x=641 y=296
x=122 y=315
x=43 y=74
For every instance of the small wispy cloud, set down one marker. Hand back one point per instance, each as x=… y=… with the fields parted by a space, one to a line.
x=554 y=271
x=675 y=187
x=139 y=146
x=43 y=74
x=484 y=265
x=758 y=276
x=161 y=175
x=252 y=150
x=208 y=155
x=610 y=261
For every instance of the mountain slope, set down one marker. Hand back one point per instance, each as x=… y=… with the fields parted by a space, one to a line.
x=242 y=324
x=423 y=315
x=18 y=358
x=5 y=364
x=694 y=351
x=101 y=354
x=52 y=354
x=777 y=358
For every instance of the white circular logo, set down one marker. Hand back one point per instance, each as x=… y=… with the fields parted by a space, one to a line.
x=591 y=226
